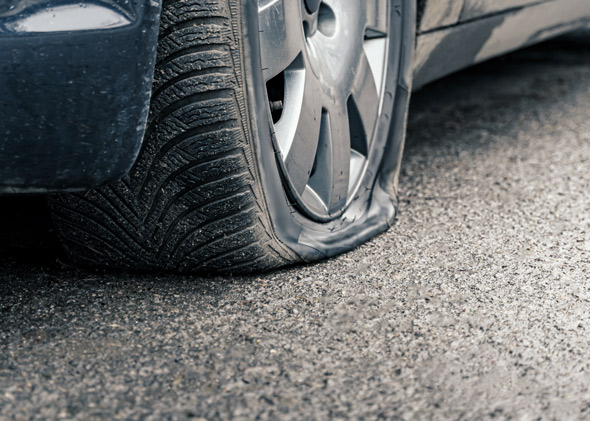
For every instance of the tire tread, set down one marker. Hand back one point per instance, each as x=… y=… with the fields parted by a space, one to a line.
x=192 y=202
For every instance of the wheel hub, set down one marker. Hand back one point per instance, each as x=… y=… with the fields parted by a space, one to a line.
x=323 y=63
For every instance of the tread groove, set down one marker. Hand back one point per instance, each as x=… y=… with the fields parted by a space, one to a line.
x=198 y=99
x=84 y=229
x=218 y=70
x=217 y=47
x=210 y=242
x=176 y=173
x=193 y=22
x=67 y=222
x=204 y=131
x=201 y=228
x=189 y=189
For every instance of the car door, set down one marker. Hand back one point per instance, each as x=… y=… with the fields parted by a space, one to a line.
x=474 y=9
x=434 y=14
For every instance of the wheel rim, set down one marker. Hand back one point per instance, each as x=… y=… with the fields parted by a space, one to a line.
x=324 y=65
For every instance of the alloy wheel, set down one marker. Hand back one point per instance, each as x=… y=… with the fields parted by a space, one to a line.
x=324 y=67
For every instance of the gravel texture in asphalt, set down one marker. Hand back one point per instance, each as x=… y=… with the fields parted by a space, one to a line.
x=476 y=304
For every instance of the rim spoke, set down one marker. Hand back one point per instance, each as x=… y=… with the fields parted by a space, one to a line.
x=357 y=164
x=375 y=54
x=321 y=180
x=281 y=35
x=366 y=100
x=295 y=84
x=300 y=157
x=340 y=138
x=376 y=17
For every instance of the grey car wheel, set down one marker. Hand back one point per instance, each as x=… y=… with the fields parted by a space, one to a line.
x=275 y=135
x=324 y=76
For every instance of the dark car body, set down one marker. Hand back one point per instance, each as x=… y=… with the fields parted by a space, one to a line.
x=75 y=83
x=76 y=76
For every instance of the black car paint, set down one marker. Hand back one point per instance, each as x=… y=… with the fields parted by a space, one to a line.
x=75 y=83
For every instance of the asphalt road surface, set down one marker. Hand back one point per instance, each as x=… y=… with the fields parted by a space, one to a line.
x=476 y=304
